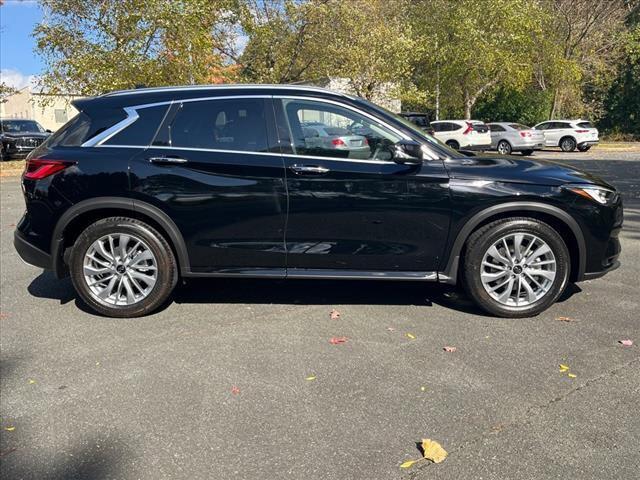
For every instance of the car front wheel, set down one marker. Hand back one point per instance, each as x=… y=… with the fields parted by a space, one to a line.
x=516 y=267
x=122 y=267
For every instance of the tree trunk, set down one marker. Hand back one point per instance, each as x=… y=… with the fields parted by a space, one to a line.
x=468 y=103
x=555 y=105
x=437 y=92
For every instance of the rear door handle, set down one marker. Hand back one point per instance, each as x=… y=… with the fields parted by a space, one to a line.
x=309 y=169
x=167 y=160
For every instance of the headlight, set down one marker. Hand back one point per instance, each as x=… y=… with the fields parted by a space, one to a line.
x=602 y=195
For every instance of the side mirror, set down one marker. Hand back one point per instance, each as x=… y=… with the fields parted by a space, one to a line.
x=407 y=152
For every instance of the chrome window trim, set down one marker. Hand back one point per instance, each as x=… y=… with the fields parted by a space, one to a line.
x=218 y=150
x=132 y=116
x=102 y=137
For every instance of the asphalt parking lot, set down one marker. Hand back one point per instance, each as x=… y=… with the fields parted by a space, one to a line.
x=219 y=385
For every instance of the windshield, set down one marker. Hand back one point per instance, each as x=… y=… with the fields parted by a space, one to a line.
x=441 y=147
x=21 y=126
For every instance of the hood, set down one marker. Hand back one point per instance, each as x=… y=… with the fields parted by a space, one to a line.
x=25 y=134
x=519 y=170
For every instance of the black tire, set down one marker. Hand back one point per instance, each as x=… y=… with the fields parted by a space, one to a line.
x=482 y=239
x=567 y=144
x=167 y=268
x=584 y=148
x=453 y=144
x=504 y=147
x=526 y=153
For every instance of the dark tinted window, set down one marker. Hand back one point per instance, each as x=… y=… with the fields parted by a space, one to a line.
x=585 y=125
x=142 y=131
x=20 y=126
x=496 y=128
x=83 y=127
x=543 y=126
x=237 y=124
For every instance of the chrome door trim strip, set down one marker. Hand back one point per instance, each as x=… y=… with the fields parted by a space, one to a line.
x=360 y=274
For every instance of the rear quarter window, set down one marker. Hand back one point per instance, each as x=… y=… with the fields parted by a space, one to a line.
x=83 y=127
x=143 y=130
x=585 y=125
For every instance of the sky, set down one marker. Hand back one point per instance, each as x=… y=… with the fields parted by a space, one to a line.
x=18 y=62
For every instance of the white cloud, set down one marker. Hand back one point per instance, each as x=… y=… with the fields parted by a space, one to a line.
x=16 y=79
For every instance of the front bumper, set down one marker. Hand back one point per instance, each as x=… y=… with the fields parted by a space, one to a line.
x=30 y=253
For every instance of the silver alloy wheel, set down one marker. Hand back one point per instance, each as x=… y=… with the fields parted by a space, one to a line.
x=567 y=144
x=120 y=269
x=503 y=148
x=518 y=269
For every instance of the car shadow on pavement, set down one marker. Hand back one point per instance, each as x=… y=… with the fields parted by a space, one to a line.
x=292 y=292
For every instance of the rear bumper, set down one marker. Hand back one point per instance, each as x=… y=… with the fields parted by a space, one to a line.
x=588 y=142
x=30 y=253
x=593 y=275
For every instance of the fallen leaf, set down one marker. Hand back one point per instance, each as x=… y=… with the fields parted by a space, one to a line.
x=337 y=340
x=450 y=349
x=433 y=451
x=391 y=329
x=3 y=315
x=408 y=463
x=334 y=314
x=31 y=381
x=235 y=390
x=9 y=429
x=423 y=388
x=411 y=336
x=571 y=375
x=564 y=368
x=62 y=387
x=311 y=377
x=97 y=364
x=566 y=319
x=626 y=343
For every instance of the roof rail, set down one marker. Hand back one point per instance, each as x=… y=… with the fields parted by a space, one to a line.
x=241 y=86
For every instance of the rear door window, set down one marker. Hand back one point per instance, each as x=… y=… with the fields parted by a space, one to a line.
x=232 y=124
x=496 y=128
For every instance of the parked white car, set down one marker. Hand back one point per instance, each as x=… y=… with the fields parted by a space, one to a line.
x=462 y=134
x=569 y=134
x=507 y=137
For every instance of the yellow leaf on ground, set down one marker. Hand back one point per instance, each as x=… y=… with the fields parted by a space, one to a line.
x=31 y=381
x=9 y=429
x=423 y=388
x=433 y=451
x=564 y=368
x=571 y=375
x=408 y=463
x=411 y=336
x=311 y=377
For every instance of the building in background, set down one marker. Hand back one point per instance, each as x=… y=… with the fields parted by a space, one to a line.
x=50 y=111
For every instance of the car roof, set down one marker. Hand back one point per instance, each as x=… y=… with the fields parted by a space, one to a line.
x=146 y=96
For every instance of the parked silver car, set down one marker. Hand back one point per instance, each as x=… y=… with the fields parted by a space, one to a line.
x=507 y=137
x=321 y=137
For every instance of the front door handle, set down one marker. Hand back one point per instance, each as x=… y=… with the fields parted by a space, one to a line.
x=309 y=169
x=167 y=160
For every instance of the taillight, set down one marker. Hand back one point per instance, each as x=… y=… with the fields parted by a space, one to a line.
x=469 y=128
x=525 y=134
x=582 y=131
x=365 y=141
x=37 y=169
x=338 y=141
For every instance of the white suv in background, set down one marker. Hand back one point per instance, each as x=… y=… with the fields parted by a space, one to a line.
x=569 y=134
x=463 y=134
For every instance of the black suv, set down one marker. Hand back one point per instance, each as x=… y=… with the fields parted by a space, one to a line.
x=146 y=186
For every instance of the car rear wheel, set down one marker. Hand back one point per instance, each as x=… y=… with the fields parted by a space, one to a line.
x=504 y=147
x=453 y=144
x=584 y=148
x=122 y=267
x=567 y=144
x=516 y=267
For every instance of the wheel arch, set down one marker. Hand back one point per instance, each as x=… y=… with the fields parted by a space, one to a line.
x=556 y=217
x=567 y=136
x=83 y=213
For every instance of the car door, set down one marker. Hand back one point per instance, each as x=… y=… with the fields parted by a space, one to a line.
x=553 y=133
x=354 y=214
x=497 y=132
x=210 y=169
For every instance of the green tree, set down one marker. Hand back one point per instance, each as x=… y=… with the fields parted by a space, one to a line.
x=472 y=47
x=93 y=46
